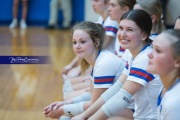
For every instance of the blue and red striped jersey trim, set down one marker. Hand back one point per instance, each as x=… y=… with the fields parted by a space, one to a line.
x=142 y=74
x=110 y=28
x=127 y=66
x=104 y=80
x=121 y=49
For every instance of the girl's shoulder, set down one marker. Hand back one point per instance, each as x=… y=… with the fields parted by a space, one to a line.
x=106 y=55
x=144 y=53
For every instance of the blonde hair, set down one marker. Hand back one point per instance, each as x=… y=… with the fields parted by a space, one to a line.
x=153 y=7
x=96 y=33
x=173 y=35
x=129 y=3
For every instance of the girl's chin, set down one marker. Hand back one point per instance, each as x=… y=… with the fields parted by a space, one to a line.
x=79 y=56
x=125 y=47
x=150 y=70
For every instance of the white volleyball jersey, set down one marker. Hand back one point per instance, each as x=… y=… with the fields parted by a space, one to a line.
x=153 y=36
x=169 y=104
x=146 y=98
x=126 y=55
x=119 y=51
x=111 y=28
x=107 y=69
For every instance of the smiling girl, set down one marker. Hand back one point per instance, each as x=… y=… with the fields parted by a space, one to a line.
x=116 y=9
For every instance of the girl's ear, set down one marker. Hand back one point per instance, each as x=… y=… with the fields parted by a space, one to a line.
x=177 y=63
x=97 y=43
x=144 y=36
x=153 y=17
x=125 y=9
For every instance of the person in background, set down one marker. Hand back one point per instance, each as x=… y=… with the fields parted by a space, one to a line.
x=111 y=26
x=154 y=8
x=66 y=7
x=14 y=22
x=165 y=61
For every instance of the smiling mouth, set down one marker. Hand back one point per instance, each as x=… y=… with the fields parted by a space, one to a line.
x=79 y=51
x=124 y=41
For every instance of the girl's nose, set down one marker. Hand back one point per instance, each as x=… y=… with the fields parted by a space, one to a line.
x=77 y=45
x=122 y=34
x=109 y=8
x=150 y=54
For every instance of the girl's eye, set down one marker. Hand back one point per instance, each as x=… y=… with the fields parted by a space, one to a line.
x=74 y=43
x=120 y=28
x=83 y=42
x=129 y=30
x=112 y=5
x=157 y=50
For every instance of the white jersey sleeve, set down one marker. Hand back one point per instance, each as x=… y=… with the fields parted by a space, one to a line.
x=110 y=26
x=136 y=68
x=119 y=51
x=108 y=67
x=127 y=57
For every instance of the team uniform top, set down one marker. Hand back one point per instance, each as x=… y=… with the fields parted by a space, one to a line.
x=146 y=98
x=169 y=104
x=111 y=28
x=107 y=69
x=126 y=55
x=119 y=51
x=153 y=36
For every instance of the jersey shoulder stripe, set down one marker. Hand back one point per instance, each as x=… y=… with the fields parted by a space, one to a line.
x=121 y=49
x=142 y=74
x=104 y=80
x=127 y=66
x=110 y=28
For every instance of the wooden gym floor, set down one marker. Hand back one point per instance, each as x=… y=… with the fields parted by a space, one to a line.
x=26 y=89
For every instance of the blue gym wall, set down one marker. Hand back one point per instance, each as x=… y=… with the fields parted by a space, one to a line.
x=38 y=12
